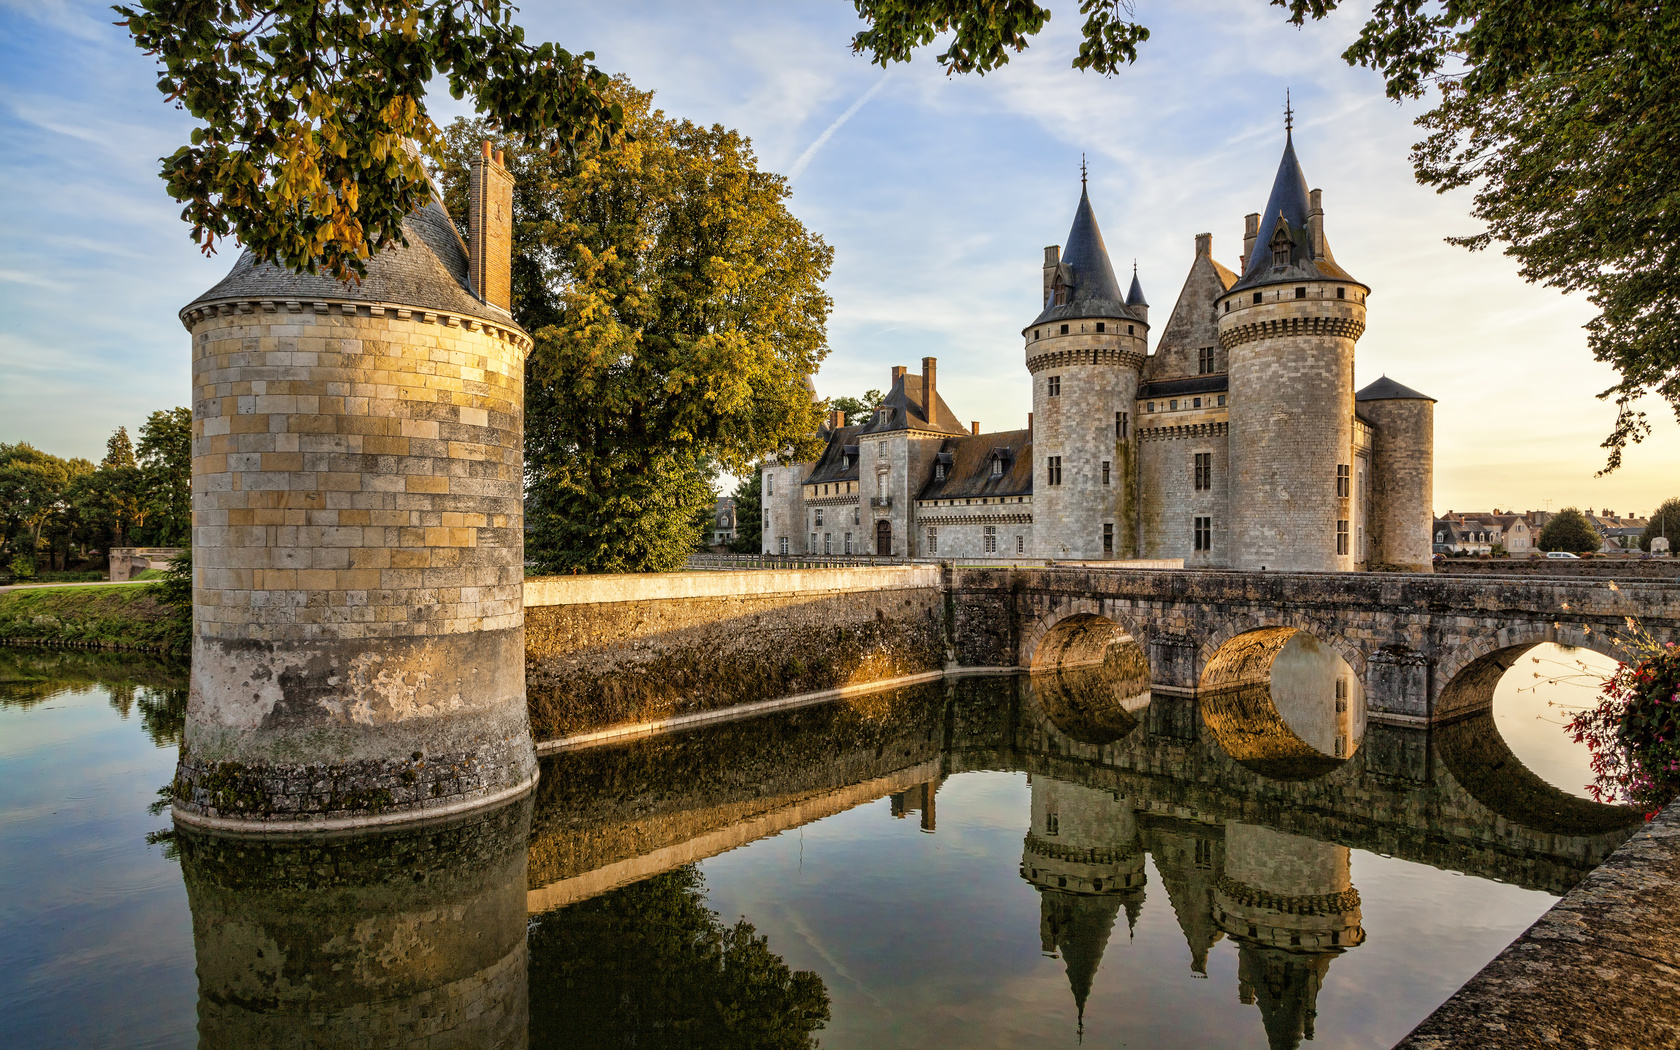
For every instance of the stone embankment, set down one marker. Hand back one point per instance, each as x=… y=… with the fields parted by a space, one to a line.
x=1600 y=969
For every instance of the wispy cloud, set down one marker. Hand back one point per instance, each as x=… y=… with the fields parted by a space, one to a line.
x=804 y=159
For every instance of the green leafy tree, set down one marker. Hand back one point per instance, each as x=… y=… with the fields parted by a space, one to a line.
x=166 y=469
x=1665 y=521
x=857 y=408
x=1561 y=115
x=304 y=108
x=1569 y=530
x=651 y=966
x=110 y=501
x=749 y=513
x=32 y=487
x=676 y=306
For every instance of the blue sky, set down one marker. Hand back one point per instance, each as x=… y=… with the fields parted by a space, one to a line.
x=938 y=194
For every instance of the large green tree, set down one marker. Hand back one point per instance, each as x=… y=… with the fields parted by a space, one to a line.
x=303 y=109
x=1665 y=521
x=1562 y=115
x=857 y=409
x=676 y=306
x=166 y=472
x=1569 y=530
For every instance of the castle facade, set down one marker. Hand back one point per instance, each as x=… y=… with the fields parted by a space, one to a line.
x=1236 y=442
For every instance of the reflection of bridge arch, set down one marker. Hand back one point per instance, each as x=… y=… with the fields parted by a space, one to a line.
x=1070 y=633
x=1477 y=756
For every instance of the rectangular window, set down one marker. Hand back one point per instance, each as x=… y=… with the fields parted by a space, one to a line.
x=933 y=541
x=811 y=548
x=1342 y=536
x=1204 y=471
x=856 y=518
x=818 y=513
x=1341 y=293
x=1196 y=403
x=828 y=545
x=991 y=539
x=1108 y=537
x=1053 y=386
x=1053 y=470
x=1151 y=406
x=1342 y=480
x=1105 y=472
x=1173 y=404
x=782 y=545
x=1204 y=360
x=1020 y=545
x=769 y=484
x=1121 y=423
x=1300 y=293
x=1221 y=400
x=1204 y=534
x=1257 y=298
x=1102 y=326
x=849 y=544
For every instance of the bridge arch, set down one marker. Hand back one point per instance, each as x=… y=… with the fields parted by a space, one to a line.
x=1076 y=631
x=1292 y=619
x=1470 y=672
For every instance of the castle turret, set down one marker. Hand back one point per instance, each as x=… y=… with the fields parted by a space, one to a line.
x=358 y=550
x=1289 y=326
x=1084 y=350
x=1404 y=471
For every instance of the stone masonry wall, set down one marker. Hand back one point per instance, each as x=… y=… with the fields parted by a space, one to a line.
x=604 y=651
x=1403 y=479
x=1169 y=502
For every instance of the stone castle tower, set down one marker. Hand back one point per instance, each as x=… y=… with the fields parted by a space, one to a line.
x=1085 y=351
x=358 y=546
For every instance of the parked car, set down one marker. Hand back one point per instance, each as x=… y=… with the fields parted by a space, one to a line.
x=1564 y=555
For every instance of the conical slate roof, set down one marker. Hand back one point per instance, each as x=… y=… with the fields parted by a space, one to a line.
x=1386 y=389
x=430 y=273
x=1135 y=296
x=1288 y=208
x=1095 y=289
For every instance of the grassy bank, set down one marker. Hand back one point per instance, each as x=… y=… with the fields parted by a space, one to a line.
x=130 y=617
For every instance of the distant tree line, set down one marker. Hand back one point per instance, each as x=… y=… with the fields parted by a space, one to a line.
x=57 y=513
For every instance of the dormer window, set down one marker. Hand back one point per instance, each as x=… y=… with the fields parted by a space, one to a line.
x=939 y=472
x=1283 y=244
x=1058 y=291
x=883 y=416
x=997 y=466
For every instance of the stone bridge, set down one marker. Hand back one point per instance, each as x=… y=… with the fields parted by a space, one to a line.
x=1429 y=648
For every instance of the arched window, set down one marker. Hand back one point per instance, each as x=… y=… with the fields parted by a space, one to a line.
x=1058 y=291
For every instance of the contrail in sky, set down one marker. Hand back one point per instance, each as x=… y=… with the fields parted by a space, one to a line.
x=811 y=150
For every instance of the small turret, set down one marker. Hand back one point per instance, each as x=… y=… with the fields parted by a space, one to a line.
x=1134 y=298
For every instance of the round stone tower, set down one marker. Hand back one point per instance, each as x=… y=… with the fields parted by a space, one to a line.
x=1289 y=325
x=358 y=653
x=1402 y=504
x=1085 y=352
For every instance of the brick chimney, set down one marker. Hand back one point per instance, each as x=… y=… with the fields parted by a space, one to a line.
x=930 y=390
x=897 y=374
x=490 y=230
x=974 y=428
x=1251 y=233
x=836 y=419
x=1315 y=223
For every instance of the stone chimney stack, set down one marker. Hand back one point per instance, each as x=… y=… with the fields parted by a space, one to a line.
x=490 y=230
x=1029 y=423
x=974 y=428
x=1052 y=259
x=1251 y=233
x=897 y=374
x=1315 y=223
x=1204 y=244
x=930 y=390
x=836 y=419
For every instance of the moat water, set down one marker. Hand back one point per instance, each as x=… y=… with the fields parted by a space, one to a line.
x=1005 y=861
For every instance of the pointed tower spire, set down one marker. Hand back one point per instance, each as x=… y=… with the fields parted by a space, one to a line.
x=1135 y=296
x=1092 y=290
x=1301 y=254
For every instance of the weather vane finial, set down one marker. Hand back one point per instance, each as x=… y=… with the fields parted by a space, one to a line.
x=1288 y=113
x=1082 y=171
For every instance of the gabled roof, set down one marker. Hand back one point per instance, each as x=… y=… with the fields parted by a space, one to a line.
x=1193 y=323
x=1386 y=389
x=1085 y=265
x=832 y=465
x=430 y=273
x=968 y=467
x=1287 y=209
x=904 y=401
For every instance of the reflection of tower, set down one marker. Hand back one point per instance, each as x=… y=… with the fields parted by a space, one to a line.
x=415 y=938
x=1190 y=859
x=918 y=799
x=1290 y=904
x=1083 y=855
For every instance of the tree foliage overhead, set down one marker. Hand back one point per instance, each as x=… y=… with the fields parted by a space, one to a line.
x=305 y=106
x=1563 y=116
x=1569 y=530
x=676 y=307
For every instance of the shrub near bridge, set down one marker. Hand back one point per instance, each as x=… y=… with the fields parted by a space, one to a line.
x=1632 y=733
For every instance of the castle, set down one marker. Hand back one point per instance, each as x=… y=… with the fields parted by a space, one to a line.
x=1238 y=443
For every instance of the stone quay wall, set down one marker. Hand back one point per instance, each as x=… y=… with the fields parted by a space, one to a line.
x=617 y=650
x=358 y=543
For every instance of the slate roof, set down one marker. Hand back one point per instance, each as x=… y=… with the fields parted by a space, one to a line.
x=1289 y=204
x=1386 y=389
x=1096 y=291
x=968 y=467
x=1134 y=297
x=905 y=402
x=1213 y=384
x=429 y=274
x=832 y=465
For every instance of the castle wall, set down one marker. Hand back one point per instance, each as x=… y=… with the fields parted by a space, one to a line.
x=962 y=529
x=1402 y=482
x=1168 y=499
x=786 y=507
x=1291 y=404
x=358 y=546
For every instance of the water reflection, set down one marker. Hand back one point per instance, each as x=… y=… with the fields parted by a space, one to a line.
x=1283 y=703
x=390 y=939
